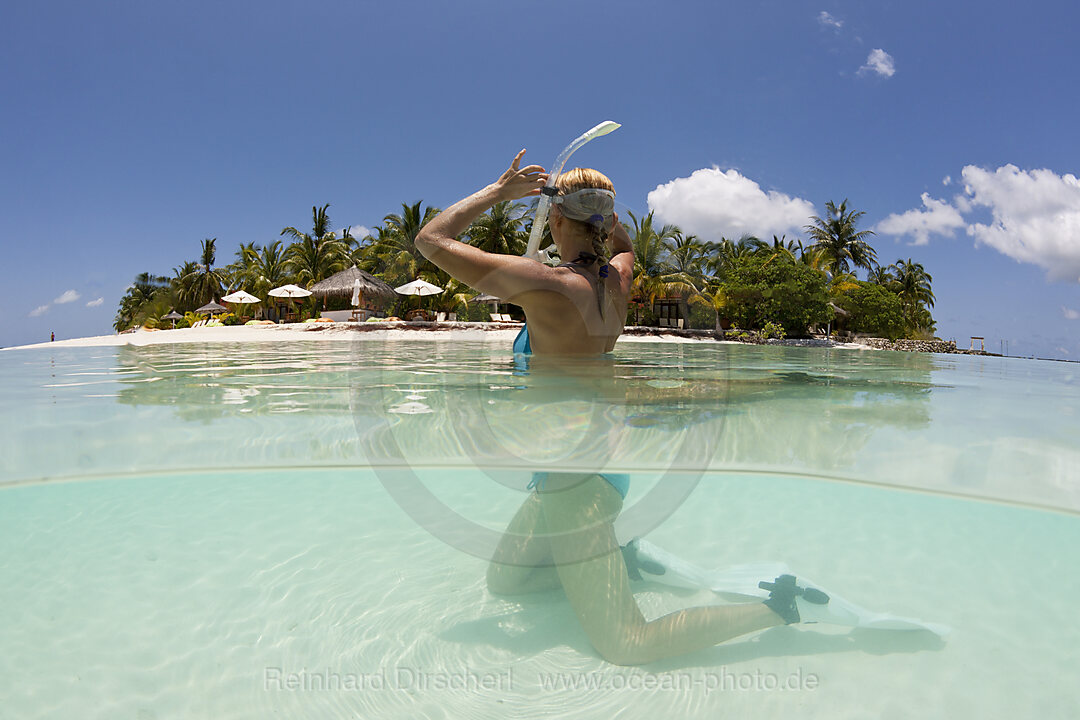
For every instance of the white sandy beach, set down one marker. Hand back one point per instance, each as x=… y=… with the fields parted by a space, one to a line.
x=348 y=332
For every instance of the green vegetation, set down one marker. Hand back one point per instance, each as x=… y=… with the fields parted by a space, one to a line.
x=769 y=290
x=774 y=288
x=874 y=310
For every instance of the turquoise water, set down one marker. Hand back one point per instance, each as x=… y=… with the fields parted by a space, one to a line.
x=300 y=529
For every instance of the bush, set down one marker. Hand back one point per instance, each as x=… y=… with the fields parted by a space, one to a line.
x=701 y=318
x=874 y=310
x=787 y=294
x=773 y=330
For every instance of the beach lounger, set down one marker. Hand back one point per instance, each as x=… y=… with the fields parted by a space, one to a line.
x=440 y=317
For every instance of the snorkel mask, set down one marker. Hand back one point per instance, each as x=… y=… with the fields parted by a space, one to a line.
x=591 y=205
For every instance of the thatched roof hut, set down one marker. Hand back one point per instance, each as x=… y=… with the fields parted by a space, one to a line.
x=341 y=285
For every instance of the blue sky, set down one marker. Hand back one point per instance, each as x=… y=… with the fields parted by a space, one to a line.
x=132 y=130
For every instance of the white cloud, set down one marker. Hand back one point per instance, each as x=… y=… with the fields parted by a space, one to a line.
x=39 y=311
x=712 y=203
x=880 y=62
x=69 y=296
x=828 y=21
x=1070 y=314
x=1035 y=216
x=947 y=181
x=938 y=218
x=95 y=303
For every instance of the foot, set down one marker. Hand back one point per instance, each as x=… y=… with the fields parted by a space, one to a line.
x=786 y=598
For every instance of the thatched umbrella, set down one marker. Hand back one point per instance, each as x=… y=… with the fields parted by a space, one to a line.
x=840 y=313
x=174 y=316
x=212 y=308
x=341 y=285
x=490 y=300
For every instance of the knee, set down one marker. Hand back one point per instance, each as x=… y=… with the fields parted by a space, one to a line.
x=619 y=651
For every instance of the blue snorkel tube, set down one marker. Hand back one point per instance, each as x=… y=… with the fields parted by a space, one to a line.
x=533 y=251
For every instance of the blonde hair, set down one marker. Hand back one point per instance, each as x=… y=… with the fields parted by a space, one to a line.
x=579 y=179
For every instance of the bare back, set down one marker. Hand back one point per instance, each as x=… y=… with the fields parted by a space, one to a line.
x=566 y=319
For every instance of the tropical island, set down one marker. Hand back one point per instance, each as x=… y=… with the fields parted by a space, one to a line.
x=748 y=288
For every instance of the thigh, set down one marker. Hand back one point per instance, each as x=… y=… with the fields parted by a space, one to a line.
x=525 y=542
x=588 y=558
x=522 y=561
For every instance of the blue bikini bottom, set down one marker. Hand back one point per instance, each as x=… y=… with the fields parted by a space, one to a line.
x=619 y=481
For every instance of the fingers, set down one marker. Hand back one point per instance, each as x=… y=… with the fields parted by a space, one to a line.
x=517 y=159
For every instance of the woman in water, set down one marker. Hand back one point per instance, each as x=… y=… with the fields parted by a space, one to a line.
x=563 y=534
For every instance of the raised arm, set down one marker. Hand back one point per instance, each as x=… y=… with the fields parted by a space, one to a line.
x=501 y=275
x=622 y=254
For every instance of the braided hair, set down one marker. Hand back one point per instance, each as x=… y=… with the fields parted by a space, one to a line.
x=595 y=227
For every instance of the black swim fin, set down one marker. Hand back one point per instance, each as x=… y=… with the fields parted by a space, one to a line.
x=782 y=594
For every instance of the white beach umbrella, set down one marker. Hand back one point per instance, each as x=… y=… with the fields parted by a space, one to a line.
x=290 y=291
x=241 y=297
x=418 y=287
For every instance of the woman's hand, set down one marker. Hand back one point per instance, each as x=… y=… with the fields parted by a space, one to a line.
x=520 y=182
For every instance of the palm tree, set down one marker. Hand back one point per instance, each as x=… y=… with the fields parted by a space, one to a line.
x=203 y=283
x=715 y=300
x=183 y=283
x=454 y=297
x=780 y=248
x=721 y=254
x=654 y=276
x=319 y=254
x=913 y=286
x=240 y=269
x=839 y=240
x=882 y=275
x=141 y=293
x=267 y=268
x=392 y=253
x=411 y=220
x=686 y=254
x=651 y=248
x=499 y=230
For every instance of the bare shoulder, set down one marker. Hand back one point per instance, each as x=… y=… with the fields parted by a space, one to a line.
x=623 y=265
